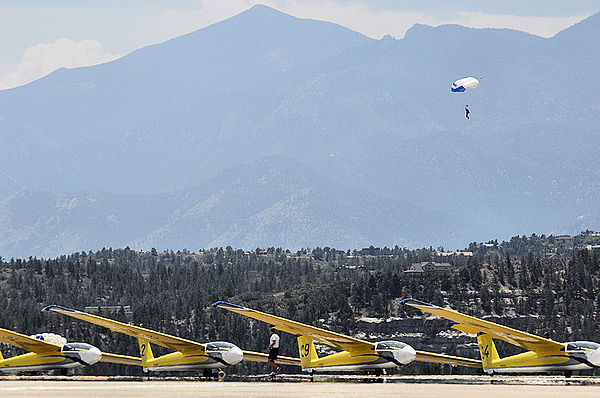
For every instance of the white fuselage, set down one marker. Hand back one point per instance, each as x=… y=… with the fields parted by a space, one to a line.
x=72 y=355
x=538 y=369
x=388 y=359
x=226 y=355
x=582 y=355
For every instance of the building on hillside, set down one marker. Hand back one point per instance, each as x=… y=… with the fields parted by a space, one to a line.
x=564 y=238
x=456 y=253
x=594 y=248
x=427 y=268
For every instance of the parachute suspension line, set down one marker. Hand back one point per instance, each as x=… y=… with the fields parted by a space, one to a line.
x=462 y=85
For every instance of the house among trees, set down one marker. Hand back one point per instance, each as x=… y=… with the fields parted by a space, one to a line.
x=427 y=268
x=455 y=253
x=262 y=251
x=594 y=248
x=564 y=238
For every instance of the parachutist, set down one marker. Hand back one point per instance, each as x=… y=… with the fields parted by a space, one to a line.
x=462 y=85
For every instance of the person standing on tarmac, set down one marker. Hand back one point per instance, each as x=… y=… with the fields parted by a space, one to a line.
x=273 y=352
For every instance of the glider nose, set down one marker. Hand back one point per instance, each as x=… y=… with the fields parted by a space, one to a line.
x=407 y=355
x=234 y=355
x=594 y=357
x=91 y=356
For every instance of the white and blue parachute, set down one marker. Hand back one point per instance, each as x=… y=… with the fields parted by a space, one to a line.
x=463 y=84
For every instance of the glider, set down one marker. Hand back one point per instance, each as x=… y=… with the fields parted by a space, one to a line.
x=542 y=354
x=355 y=355
x=49 y=351
x=187 y=355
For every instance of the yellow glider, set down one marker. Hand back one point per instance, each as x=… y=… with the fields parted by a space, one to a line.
x=355 y=355
x=543 y=354
x=45 y=355
x=188 y=355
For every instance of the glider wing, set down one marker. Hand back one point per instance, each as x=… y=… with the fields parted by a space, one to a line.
x=172 y=342
x=474 y=325
x=27 y=343
x=340 y=341
x=424 y=356
x=260 y=357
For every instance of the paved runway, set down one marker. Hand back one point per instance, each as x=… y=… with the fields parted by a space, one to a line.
x=148 y=389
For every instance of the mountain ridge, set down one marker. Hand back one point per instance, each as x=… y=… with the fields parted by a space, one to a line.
x=278 y=193
x=376 y=116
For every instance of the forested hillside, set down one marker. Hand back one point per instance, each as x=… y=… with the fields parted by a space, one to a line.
x=350 y=292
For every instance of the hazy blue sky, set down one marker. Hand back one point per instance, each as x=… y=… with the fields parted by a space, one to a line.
x=38 y=36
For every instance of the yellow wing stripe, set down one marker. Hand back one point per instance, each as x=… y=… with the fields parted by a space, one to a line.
x=424 y=356
x=260 y=357
x=340 y=341
x=120 y=359
x=166 y=340
x=27 y=343
x=474 y=325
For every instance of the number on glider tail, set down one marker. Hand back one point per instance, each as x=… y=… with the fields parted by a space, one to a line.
x=486 y=351
x=143 y=350
x=305 y=350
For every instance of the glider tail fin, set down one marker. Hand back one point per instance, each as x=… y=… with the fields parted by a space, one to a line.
x=307 y=352
x=145 y=351
x=488 y=351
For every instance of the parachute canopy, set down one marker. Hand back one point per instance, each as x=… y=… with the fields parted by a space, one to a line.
x=50 y=338
x=462 y=84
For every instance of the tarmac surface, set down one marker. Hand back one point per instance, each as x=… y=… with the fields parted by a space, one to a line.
x=279 y=389
x=291 y=386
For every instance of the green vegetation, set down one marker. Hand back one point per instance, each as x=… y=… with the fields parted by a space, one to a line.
x=356 y=293
x=546 y=246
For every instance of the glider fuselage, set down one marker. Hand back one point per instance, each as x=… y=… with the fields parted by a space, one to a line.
x=73 y=355
x=368 y=357
x=186 y=355
x=542 y=354
x=360 y=361
x=181 y=361
x=574 y=356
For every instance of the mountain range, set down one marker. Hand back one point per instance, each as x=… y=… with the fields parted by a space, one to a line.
x=269 y=130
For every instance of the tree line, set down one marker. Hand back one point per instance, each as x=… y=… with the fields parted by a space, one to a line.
x=172 y=291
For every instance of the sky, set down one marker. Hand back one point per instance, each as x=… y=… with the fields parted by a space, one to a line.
x=40 y=36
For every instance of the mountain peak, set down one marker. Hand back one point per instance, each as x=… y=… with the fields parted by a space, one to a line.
x=420 y=30
x=261 y=11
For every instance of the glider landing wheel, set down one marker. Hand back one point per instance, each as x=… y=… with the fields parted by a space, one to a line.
x=210 y=373
x=568 y=373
